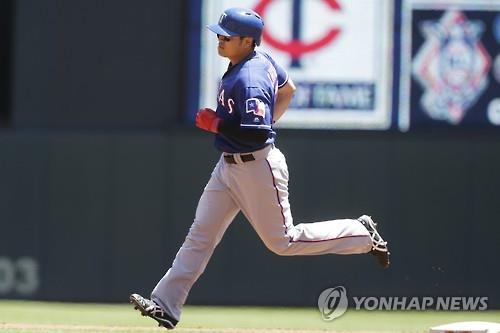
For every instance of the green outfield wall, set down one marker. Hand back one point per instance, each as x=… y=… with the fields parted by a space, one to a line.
x=93 y=217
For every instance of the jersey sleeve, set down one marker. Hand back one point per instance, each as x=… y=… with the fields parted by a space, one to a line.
x=280 y=71
x=255 y=109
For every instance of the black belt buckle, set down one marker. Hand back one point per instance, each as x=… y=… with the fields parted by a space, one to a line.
x=245 y=158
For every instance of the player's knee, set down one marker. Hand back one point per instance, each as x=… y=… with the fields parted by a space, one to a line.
x=279 y=248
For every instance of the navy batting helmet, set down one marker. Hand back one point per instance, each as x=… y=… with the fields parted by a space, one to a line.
x=239 y=22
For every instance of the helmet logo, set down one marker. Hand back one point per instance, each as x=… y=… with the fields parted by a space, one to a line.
x=296 y=48
x=222 y=17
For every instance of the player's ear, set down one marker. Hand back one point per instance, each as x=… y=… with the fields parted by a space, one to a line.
x=248 y=42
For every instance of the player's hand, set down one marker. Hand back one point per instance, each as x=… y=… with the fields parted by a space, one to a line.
x=207 y=120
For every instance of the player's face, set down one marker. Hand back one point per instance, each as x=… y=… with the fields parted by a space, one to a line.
x=234 y=48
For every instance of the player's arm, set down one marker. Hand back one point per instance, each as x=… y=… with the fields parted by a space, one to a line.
x=207 y=120
x=283 y=98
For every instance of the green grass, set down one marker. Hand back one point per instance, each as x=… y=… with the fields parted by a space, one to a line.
x=41 y=317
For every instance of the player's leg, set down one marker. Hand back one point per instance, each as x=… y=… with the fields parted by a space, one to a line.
x=215 y=211
x=261 y=190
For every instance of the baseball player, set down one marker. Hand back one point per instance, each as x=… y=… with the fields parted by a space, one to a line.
x=251 y=175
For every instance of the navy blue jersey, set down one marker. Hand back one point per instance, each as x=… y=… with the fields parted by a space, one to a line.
x=246 y=97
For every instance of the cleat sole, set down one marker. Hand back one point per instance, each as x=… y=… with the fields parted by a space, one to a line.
x=161 y=323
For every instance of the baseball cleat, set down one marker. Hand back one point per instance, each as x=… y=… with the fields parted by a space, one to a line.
x=379 y=246
x=149 y=308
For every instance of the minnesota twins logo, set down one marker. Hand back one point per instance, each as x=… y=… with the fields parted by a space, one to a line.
x=451 y=66
x=296 y=48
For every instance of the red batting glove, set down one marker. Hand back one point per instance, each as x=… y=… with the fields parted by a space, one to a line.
x=207 y=120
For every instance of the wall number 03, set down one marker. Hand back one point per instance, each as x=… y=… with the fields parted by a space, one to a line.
x=19 y=276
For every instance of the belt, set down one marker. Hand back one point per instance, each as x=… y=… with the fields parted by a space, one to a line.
x=245 y=158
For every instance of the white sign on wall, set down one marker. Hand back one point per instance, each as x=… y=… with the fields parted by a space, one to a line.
x=338 y=53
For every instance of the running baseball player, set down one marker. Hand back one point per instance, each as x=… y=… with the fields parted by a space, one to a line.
x=251 y=175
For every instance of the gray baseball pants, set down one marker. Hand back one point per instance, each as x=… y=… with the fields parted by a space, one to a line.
x=259 y=189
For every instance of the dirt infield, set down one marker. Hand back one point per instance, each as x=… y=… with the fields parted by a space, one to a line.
x=56 y=327
x=92 y=328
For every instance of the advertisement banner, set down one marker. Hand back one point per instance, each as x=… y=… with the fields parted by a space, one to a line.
x=338 y=53
x=450 y=64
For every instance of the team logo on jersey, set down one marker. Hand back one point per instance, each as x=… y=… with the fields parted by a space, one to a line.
x=452 y=66
x=256 y=106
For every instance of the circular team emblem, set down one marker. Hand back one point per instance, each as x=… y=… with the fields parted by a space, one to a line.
x=332 y=303
x=452 y=66
x=296 y=47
